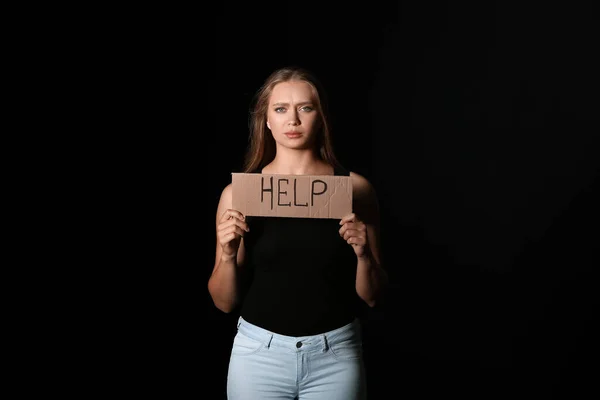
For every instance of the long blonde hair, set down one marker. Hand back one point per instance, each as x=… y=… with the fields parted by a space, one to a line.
x=261 y=149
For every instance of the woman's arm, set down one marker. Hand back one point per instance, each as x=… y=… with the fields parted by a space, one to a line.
x=224 y=282
x=362 y=229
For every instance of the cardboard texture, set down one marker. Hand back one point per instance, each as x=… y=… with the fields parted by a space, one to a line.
x=295 y=196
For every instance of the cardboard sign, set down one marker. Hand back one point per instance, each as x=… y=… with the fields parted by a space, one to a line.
x=305 y=196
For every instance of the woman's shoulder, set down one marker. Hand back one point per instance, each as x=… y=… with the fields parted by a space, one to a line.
x=360 y=183
x=225 y=199
x=364 y=198
x=227 y=189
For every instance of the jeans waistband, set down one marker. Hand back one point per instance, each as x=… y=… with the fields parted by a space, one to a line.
x=321 y=342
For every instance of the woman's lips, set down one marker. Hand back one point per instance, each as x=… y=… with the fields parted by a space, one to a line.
x=293 y=134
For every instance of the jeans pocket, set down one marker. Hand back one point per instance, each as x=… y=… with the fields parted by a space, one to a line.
x=244 y=345
x=347 y=350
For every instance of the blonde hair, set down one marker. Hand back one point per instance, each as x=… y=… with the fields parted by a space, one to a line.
x=261 y=149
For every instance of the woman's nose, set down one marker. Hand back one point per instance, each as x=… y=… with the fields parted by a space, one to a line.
x=293 y=119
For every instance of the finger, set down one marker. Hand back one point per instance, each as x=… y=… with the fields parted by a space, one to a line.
x=228 y=238
x=234 y=221
x=352 y=225
x=234 y=229
x=348 y=218
x=229 y=213
x=237 y=230
x=347 y=233
x=345 y=227
x=352 y=233
x=356 y=241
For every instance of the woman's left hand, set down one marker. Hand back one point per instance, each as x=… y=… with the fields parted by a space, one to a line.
x=354 y=232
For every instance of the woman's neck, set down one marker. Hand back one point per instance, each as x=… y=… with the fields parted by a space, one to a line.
x=295 y=162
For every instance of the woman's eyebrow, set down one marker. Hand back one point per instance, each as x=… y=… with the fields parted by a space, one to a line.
x=287 y=104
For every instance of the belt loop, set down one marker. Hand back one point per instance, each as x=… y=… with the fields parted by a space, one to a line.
x=269 y=341
x=325 y=344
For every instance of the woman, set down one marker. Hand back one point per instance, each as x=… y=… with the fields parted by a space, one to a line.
x=298 y=282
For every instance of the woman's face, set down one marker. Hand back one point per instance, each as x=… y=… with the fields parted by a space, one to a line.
x=292 y=115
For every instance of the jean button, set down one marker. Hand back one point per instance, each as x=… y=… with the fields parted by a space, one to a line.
x=299 y=344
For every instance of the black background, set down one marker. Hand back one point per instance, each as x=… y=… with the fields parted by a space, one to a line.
x=476 y=123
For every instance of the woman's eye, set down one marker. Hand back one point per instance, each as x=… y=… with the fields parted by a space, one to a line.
x=307 y=108
x=279 y=109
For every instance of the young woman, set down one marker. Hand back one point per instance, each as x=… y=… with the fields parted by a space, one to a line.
x=297 y=282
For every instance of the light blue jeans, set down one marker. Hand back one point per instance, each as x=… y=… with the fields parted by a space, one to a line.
x=265 y=365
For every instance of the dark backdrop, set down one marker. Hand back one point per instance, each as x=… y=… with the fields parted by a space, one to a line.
x=477 y=125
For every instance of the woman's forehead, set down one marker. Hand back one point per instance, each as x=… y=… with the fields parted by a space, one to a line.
x=292 y=92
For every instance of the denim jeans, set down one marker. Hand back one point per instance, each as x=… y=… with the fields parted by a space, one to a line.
x=265 y=365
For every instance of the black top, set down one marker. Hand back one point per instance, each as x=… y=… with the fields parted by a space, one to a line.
x=303 y=275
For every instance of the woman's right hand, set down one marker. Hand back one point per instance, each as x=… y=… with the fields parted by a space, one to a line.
x=232 y=227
